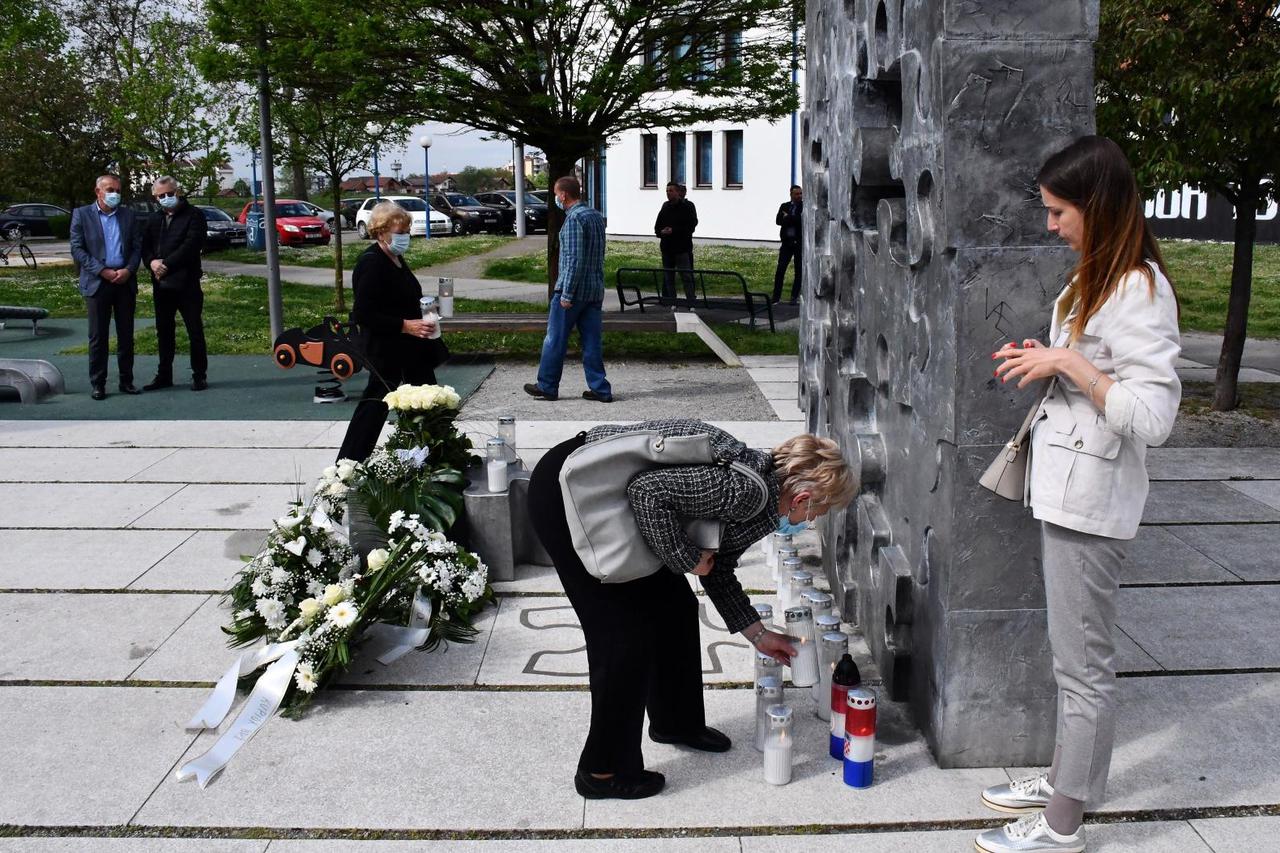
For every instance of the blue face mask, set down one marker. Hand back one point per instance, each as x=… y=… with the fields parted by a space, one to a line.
x=786 y=525
x=111 y=200
x=169 y=202
x=399 y=244
x=559 y=203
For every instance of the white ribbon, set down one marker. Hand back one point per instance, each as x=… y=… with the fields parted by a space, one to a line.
x=392 y=642
x=262 y=703
x=215 y=709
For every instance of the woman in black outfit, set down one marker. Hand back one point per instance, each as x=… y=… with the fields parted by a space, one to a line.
x=632 y=628
x=394 y=335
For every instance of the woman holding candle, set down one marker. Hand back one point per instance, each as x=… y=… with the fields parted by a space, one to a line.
x=633 y=628
x=400 y=346
x=1113 y=347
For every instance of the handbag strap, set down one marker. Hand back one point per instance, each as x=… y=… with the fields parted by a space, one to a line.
x=755 y=476
x=1023 y=430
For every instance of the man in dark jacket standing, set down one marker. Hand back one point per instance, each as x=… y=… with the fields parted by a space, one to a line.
x=106 y=241
x=171 y=250
x=790 y=224
x=677 y=220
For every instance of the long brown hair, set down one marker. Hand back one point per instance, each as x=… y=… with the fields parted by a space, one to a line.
x=1093 y=175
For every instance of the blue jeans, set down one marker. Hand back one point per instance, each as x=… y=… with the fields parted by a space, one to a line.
x=587 y=319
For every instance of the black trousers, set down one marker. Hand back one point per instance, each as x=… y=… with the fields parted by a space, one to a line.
x=189 y=302
x=788 y=251
x=643 y=646
x=120 y=300
x=672 y=261
x=371 y=413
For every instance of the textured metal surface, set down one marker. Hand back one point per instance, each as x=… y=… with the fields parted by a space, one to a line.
x=926 y=123
x=500 y=529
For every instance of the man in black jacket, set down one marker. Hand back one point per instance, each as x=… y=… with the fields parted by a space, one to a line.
x=790 y=223
x=677 y=220
x=171 y=251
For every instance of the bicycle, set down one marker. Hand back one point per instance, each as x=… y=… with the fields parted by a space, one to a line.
x=13 y=237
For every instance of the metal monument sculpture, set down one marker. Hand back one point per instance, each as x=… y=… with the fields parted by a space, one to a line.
x=926 y=250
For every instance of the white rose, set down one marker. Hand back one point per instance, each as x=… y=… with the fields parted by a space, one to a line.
x=377 y=559
x=333 y=593
x=330 y=472
x=310 y=608
x=345 y=470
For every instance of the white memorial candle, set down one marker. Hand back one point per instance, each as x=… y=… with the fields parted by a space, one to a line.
x=497 y=471
x=777 y=746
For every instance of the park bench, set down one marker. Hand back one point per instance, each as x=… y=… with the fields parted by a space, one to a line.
x=673 y=321
x=641 y=286
x=23 y=312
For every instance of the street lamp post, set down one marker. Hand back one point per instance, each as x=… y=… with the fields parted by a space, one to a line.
x=253 y=171
x=375 y=131
x=425 y=142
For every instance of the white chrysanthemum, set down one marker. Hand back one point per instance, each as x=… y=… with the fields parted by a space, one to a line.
x=270 y=610
x=315 y=558
x=342 y=614
x=258 y=588
x=279 y=576
x=315 y=589
x=296 y=547
x=305 y=677
x=336 y=489
x=333 y=593
x=434 y=547
x=346 y=470
x=330 y=472
x=377 y=559
x=397 y=518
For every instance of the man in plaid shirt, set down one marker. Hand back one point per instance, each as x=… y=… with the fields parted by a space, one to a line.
x=576 y=302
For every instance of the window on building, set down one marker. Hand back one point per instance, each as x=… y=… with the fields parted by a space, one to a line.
x=707 y=61
x=676 y=152
x=733 y=49
x=649 y=154
x=705 y=163
x=733 y=158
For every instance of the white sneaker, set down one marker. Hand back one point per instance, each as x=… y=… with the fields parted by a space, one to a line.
x=1030 y=833
x=1018 y=797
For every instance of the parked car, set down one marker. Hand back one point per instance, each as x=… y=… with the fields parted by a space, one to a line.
x=468 y=215
x=294 y=223
x=221 y=231
x=143 y=209
x=319 y=212
x=418 y=213
x=349 y=208
x=34 y=218
x=535 y=211
x=543 y=196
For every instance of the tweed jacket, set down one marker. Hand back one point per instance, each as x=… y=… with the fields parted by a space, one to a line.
x=1087 y=470
x=661 y=497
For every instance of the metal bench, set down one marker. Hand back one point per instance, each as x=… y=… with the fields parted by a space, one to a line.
x=643 y=286
x=676 y=321
x=23 y=312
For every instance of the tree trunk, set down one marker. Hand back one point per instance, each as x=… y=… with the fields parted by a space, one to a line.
x=339 y=299
x=558 y=166
x=1225 y=393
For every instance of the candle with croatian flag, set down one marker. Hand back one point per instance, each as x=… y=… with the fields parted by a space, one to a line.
x=768 y=693
x=777 y=746
x=859 y=738
x=804 y=664
x=843 y=679
x=833 y=646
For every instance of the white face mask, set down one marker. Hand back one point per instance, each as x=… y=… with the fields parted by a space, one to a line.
x=398 y=244
x=169 y=202
x=111 y=200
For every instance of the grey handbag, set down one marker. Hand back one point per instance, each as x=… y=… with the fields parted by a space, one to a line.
x=603 y=528
x=1007 y=473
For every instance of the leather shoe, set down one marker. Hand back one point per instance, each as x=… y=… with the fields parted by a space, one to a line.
x=592 y=395
x=618 y=787
x=98 y=393
x=707 y=740
x=158 y=383
x=199 y=384
x=532 y=389
x=130 y=388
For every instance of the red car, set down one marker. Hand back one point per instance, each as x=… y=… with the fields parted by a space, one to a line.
x=294 y=223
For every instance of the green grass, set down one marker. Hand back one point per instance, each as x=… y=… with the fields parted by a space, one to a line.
x=237 y=322
x=422 y=252
x=1201 y=273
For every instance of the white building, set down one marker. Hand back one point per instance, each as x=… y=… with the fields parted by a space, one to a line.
x=737 y=175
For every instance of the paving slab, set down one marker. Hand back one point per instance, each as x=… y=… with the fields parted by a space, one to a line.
x=1239 y=833
x=729 y=789
x=76 y=464
x=1213 y=463
x=238 y=465
x=196 y=651
x=787 y=391
x=775 y=374
x=1250 y=551
x=1219 y=627
x=531 y=578
x=787 y=410
x=1195 y=741
x=86 y=636
x=81 y=559
x=80 y=505
x=94 y=433
x=724 y=844
x=207 y=560
x=332 y=435
x=444 y=760
x=95 y=753
x=1155 y=837
x=220 y=507
x=1198 y=503
x=538 y=641
x=1129 y=655
x=447 y=664
x=1158 y=555
x=770 y=361
x=131 y=845
x=1263 y=491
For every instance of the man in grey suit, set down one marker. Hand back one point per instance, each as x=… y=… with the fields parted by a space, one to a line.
x=106 y=243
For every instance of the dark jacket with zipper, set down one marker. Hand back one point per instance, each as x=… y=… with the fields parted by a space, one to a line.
x=175 y=238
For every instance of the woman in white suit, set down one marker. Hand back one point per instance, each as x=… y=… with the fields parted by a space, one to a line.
x=1113 y=345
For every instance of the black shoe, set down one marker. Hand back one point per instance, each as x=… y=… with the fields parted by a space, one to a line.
x=707 y=740
x=795 y=302
x=199 y=384
x=158 y=383
x=129 y=388
x=532 y=389
x=618 y=787
x=592 y=395
x=98 y=393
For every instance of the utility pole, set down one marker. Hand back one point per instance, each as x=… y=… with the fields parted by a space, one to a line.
x=517 y=169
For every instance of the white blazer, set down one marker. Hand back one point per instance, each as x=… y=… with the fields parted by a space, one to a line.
x=1087 y=469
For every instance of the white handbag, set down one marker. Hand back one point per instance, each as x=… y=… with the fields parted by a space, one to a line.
x=603 y=528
